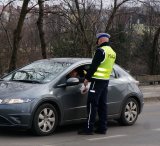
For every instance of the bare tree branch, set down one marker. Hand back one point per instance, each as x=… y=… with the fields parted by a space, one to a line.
x=6 y=31
x=31 y=8
x=113 y=13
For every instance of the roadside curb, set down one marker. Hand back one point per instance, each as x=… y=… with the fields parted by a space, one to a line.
x=151 y=93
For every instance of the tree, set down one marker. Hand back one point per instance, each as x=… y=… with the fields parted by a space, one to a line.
x=155 y=64
x=83 y=18
x=17 y=35
x=40 y=28
x=5 y=39
x=153 y=21
x=114 y=10
x=155 y=68
x=1 y=22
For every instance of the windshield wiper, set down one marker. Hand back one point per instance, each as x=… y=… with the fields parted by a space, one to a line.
x=28 y=81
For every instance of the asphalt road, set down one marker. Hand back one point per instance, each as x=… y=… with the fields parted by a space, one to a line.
x=146 y=132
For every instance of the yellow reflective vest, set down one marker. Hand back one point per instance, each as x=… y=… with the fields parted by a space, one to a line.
x=105 y=68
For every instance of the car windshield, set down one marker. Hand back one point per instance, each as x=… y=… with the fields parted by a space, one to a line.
x=38 y=72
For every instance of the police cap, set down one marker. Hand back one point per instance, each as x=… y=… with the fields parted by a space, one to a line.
x=100 y=35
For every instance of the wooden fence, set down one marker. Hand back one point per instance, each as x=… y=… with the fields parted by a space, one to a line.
x=148 y=79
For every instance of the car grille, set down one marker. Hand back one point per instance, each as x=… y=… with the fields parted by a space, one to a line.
x=3 y=121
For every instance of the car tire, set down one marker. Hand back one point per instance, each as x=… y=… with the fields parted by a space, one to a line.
x=45 y=120
x=129 y=112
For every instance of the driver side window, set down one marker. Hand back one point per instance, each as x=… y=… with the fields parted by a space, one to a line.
x=78 y=72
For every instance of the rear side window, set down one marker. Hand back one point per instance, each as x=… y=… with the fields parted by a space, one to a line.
x=121 y=72
x=113 y=74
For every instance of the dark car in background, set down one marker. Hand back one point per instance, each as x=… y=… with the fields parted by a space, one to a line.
x=39 y=96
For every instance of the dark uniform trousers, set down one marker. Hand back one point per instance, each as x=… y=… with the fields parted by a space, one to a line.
x=97 y=102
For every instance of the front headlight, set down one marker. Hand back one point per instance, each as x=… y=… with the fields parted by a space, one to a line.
x=14 y=100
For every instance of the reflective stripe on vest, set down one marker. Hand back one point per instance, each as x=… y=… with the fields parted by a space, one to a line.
x=105 y=68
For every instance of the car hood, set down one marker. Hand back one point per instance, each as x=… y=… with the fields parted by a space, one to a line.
x=12 y=89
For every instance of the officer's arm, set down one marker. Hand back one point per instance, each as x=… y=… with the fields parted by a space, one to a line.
x=97 y=59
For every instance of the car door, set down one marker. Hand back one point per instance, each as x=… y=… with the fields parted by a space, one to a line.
x=73 y=101
x=115 y=93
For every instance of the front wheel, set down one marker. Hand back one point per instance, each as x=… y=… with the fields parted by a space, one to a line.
x=130 y=112
x=45 y=120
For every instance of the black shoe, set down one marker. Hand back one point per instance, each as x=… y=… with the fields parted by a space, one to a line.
x=100 y=131
x=83 y=132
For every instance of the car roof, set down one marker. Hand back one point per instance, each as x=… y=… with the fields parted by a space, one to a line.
x=69 y=60
x=73 y=60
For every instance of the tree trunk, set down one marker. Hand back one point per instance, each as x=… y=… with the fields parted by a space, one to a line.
x=17 y=35
x=82 y=30
x=110 y=20
x=155 y=68
x=40 y=28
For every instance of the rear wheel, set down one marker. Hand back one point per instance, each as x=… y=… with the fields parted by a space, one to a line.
x=45 y=120
x=130 y=112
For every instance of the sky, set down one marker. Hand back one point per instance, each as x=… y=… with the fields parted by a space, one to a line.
x=106 y=3
x=19 y=2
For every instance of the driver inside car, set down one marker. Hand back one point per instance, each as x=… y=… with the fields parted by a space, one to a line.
x=77 y=73
x=80 y=74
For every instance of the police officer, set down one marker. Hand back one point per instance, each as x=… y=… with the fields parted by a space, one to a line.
x=99 y=74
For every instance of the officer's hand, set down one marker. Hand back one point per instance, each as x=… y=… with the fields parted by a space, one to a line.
x=85 y=82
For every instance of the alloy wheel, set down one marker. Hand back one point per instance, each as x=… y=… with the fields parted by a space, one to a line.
x=131 y=111
x=46 y=120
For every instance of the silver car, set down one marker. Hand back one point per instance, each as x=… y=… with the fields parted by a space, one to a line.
x=41 y=95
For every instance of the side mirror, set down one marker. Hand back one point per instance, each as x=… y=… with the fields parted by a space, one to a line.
x=69 y=82
x=72 y=81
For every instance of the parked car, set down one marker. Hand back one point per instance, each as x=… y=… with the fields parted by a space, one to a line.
x=40 y=96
